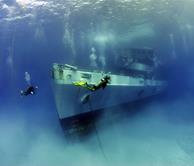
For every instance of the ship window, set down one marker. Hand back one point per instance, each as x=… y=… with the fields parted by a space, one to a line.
x=69 y=76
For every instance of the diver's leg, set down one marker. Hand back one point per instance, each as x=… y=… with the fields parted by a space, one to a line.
x=23 y=93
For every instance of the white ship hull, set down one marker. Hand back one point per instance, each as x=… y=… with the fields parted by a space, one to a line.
x=122 y=89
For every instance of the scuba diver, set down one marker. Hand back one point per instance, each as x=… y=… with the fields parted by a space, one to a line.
x=31 y=89
x=102 y=84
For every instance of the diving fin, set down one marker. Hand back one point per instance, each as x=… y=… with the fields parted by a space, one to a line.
x=80 y=83
x=84 y=85
x=85 y=98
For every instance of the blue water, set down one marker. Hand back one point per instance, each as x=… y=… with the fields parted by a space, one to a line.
x=34 y=34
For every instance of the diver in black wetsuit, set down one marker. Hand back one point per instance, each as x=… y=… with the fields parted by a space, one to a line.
x=102 y=84
x=31 y=89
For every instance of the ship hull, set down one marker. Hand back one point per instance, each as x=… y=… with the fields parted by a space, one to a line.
x=83 y=123
x=77 y=104
x=70 y=99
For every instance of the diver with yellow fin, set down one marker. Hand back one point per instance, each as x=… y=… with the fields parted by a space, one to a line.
x=102 y=84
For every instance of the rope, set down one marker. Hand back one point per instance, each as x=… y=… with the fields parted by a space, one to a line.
x=94 y=125
x=97 y=134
